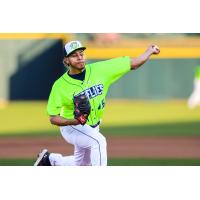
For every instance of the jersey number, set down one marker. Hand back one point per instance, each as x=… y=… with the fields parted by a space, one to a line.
x=101 y=105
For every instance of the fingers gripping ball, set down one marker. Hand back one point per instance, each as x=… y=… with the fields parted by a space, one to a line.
x=156 y=49
x=82 y=108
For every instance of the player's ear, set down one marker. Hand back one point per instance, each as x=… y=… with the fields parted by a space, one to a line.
x=65 y=61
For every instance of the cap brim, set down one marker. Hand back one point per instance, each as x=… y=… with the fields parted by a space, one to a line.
x=81 y=48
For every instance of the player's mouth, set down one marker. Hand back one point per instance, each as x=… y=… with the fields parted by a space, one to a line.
x=81 y=63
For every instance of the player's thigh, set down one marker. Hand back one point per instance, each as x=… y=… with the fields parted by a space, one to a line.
x=68 y=134
x=78 y=136
x=82 y=136
x=89 y=135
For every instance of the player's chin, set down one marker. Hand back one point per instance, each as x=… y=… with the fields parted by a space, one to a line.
x=80 y=66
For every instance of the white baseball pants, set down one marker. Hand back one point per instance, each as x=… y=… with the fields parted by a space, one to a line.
x=89 y=147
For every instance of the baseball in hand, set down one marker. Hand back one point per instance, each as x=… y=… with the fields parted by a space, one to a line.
x=156 y=49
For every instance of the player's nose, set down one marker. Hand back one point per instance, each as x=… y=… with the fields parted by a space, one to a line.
x=80 y=56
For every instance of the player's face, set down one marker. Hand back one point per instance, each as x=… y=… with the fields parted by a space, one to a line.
x=76 y=60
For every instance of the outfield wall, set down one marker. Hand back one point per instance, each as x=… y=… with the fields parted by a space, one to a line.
x=157 y=79
x=166 y=76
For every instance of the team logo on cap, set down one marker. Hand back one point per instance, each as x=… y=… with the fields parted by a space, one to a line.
x=74 y=45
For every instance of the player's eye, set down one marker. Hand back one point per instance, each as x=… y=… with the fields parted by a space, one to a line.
x=81 y=52
x=73 y=55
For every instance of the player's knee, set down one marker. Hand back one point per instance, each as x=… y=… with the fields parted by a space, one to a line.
x=99 y=142
x=78 y=162
x=85 y=163
x=102 y=141
x=82 y=162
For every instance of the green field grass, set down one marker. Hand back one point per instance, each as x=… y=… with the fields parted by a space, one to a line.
x=121 y=117
x=117 y=162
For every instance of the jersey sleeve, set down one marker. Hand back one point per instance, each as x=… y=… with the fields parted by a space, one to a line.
x=54 y=102
x=111 y=70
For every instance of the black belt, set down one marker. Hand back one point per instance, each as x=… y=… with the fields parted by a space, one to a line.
x=97 y=124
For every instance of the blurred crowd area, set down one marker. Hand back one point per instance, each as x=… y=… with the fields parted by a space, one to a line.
x=138 y=39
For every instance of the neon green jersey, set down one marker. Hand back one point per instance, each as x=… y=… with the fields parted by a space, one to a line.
x=98 y=77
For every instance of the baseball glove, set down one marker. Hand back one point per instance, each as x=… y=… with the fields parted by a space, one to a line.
x=82 y=108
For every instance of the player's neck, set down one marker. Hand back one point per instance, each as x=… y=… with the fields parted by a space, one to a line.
x=75 y=71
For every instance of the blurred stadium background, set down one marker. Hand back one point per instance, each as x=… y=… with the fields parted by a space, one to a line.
x=146 y=122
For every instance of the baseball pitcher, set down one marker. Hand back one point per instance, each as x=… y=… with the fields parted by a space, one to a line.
x=76 y=104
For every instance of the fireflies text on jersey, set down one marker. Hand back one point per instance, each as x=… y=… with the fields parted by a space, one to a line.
x=93 y=91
